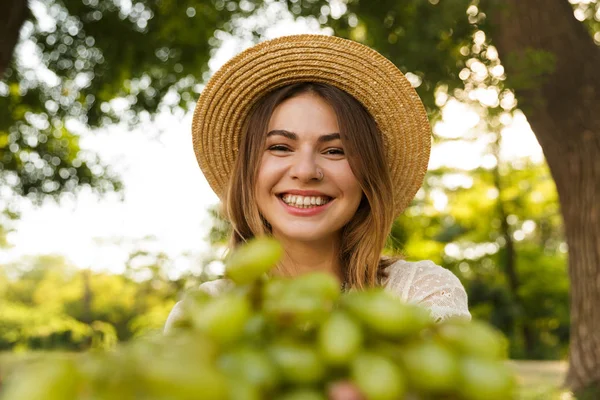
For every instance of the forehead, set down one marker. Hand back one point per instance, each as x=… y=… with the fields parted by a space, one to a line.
x=307 y=115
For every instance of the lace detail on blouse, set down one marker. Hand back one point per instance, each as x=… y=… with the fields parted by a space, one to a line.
x=428 y=284
x=421 y=282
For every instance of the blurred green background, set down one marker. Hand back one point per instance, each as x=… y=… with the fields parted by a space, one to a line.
x=498 y=224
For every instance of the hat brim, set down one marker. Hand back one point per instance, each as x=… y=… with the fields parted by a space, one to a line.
x=360 y=71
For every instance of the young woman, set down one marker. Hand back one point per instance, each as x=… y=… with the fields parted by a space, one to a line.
x=321 y=142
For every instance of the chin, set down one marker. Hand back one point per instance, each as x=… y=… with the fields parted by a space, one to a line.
x=308 y=235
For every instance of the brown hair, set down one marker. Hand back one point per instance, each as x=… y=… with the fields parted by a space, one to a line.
x=364 y=237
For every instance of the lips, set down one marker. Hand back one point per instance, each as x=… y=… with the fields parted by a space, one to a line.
x=282 y=195
x=314 y=193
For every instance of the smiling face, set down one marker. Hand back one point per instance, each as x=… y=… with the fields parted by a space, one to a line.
x=303 y=138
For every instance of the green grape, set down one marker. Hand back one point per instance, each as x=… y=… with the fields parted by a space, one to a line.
x=256 y=327
x=196 y=297
x=183 y=380
x=340 y=338
x=186 y=346
x=303 y=302
x=320 y=284
x=302 y=394
x=430 y=367
x=223 y=318
x=55 y=379
x=250 y=261
x=474 y=338
x=252 y=366
x=386 y=315
x=377 y=377
x=422 y=318
x=294 y=309
x=482 y=379
x=191 y=304
x=109 y=375
x=241 y=390
x=389 y=349
x=297 y=362
x=274 y=287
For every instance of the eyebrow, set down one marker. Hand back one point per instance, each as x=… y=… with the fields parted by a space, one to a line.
x=292 y=136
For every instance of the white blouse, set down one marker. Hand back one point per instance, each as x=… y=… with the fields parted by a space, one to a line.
x=421 y=282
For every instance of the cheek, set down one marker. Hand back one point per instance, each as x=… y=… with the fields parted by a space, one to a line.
x=265 y=165
x=267 y=176
x=350 y=184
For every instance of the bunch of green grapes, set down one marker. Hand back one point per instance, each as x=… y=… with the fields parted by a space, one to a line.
x=284 y=339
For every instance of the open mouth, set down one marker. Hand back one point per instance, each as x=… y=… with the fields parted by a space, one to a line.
x=304 y=201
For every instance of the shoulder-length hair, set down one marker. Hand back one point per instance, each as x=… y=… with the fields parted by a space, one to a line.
x=364 y=237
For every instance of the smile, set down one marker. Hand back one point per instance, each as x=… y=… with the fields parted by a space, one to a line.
x=305 y=201
x=303 y=205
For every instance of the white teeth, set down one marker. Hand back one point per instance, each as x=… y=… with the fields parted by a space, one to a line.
x=304 y=201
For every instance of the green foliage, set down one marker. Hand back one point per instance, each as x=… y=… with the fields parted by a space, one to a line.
x=46 y=303
x=401 y=31
x=91 y=53
x=35 y=328
x=589 y=13
x=467 y=237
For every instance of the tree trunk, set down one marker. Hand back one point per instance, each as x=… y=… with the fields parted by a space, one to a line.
x=509 y=260
x=12 y=15
x=564 y=112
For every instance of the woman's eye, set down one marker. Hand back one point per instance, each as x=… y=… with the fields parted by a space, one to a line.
x=278 y=147
x=335 y=151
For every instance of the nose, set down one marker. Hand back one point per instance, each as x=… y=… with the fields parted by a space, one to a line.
x=304 y=167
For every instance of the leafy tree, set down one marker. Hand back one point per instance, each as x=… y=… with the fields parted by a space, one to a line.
x=46 y=303
x=469 y=237
x=32 y=301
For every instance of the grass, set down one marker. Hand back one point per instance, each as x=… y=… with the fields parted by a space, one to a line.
x=541 y=380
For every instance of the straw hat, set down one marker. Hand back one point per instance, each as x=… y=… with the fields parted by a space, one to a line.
x=360 y=71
